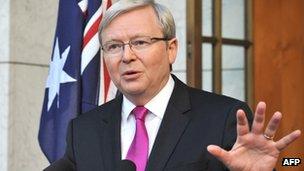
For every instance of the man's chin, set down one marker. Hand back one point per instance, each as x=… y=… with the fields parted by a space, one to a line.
x=133 y=92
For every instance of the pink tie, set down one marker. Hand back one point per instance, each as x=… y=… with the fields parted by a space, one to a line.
x=138 y=151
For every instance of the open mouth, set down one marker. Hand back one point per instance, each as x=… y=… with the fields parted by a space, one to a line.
x=129 y=75
x=130 y=72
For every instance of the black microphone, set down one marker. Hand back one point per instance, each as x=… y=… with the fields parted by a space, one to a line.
x=126 y=165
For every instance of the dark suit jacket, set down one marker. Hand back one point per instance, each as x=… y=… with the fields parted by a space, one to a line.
x=193 y=120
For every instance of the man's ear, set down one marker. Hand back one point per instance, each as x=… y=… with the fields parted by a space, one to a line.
x=172 y=50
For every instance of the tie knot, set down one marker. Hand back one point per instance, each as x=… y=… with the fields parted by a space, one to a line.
x=140 y=112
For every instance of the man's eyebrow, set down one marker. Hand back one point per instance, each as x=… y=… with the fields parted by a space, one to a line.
x=133 y=37
x=139 y=35
x=113 y=40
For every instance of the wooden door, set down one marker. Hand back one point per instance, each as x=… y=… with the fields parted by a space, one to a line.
x=278 y=37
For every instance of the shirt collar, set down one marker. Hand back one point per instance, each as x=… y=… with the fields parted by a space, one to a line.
x=127 y=107
x=157 y=105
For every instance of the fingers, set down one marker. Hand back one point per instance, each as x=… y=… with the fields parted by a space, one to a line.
x=285 y=141
x=219 y=153
x=259 y=118
x=242 y=123
x=273 y=124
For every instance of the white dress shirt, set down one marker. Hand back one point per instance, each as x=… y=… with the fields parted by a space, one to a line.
x=156 y=110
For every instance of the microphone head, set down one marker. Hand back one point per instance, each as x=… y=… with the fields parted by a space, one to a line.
x=126 y=165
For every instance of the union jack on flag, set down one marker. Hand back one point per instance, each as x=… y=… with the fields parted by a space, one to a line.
x=78 y=80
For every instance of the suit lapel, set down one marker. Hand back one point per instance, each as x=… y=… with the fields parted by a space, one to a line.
x=111 y=148
x=172 y=127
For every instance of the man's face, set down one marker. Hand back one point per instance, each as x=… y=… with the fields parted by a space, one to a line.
x=139 y=74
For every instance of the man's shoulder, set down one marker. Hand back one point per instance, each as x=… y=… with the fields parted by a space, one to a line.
x=216 y=104
x=99 y=113
x=210 y=97
x=202 y=96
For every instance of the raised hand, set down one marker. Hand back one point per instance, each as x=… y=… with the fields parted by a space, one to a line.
x=254 y=150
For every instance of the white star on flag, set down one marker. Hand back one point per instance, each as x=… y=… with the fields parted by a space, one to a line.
x=57 y=75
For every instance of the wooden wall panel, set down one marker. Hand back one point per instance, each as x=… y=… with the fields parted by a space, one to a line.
x=278 y=37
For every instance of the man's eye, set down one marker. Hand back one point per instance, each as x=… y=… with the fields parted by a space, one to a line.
x=113 y=46
x=140 y=43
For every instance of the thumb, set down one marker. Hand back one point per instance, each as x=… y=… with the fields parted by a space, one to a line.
x=219 y=153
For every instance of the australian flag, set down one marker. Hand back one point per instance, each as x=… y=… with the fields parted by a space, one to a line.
x=74 y=82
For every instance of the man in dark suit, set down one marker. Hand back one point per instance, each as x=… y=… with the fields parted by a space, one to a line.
x=158 y=122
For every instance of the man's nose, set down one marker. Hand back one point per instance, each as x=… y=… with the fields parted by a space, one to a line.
x=128 y=54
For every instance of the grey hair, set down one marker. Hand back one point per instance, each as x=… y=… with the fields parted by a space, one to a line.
x=164 y=16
